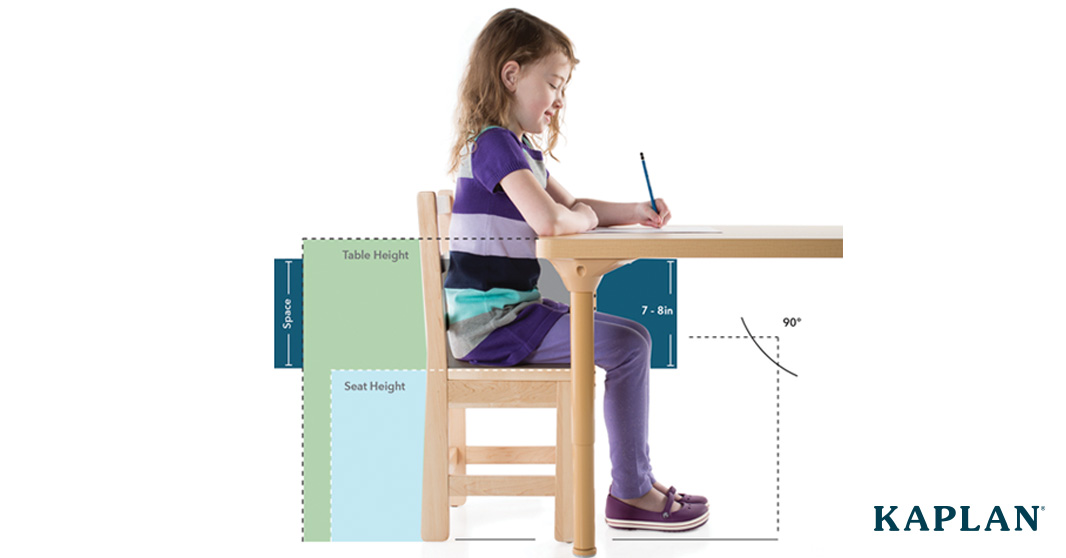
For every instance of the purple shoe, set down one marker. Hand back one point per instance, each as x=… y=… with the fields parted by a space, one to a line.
x=690 y=498
x=686 y=498
x=621 y=515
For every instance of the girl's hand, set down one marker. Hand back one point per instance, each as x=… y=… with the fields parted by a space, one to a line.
x=587 y=211
x=649 y=218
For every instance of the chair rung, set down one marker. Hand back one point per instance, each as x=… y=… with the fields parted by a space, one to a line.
x=465 y=394
x=510 y=454
x=497 y=485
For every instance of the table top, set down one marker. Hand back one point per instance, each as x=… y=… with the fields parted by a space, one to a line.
x=735 y=241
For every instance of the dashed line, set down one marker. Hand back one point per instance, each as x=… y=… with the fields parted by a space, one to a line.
x=420 y=238
x=449 y=369
x=732 y=337
x=777 y=357
x=303 y=424
x=331 y=456
x=376 y=369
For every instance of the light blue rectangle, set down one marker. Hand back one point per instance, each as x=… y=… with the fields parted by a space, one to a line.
x=376 y=446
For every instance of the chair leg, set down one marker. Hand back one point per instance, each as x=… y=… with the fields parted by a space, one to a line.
x=435 y=459
x=457 y=442
x=564 y=466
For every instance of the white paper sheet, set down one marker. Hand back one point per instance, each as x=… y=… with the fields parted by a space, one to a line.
x=693 y=229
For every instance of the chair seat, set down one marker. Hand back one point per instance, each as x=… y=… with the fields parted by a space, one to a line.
x=460 y=370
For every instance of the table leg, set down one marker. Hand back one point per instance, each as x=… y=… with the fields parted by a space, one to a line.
x=582 y=384
x=581 y=278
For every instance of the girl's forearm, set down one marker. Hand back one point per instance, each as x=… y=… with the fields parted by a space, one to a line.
x=567 y=221
x=612 y=214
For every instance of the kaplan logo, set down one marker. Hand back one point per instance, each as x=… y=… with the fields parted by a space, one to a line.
x=944 y=514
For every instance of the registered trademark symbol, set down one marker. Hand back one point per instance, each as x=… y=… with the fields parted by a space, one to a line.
x=1041 y=508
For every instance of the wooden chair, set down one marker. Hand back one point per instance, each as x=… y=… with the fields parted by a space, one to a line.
x=452 y=387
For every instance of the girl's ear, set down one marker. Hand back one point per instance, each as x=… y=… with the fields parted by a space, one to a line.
x=509 y=75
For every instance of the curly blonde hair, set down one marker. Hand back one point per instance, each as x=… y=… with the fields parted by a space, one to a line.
x=511 y=34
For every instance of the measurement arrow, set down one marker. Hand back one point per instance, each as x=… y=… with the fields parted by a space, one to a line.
x=288 y=292
x=670 y=283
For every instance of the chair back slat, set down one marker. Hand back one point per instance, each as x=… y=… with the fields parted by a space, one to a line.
x=445 y=199
x=432 y=285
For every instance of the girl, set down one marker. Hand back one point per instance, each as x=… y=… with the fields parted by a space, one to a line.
x=511 y=94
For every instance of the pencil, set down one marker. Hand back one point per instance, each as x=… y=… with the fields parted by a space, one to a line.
x=645 y=165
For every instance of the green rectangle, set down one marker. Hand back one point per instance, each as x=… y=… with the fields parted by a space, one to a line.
x=362 y=310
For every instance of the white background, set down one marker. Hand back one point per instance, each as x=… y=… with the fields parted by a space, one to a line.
x=155 y=157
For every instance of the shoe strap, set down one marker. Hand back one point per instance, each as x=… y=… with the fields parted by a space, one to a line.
x=669 y=502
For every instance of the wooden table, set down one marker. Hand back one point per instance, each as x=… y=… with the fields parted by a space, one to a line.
x=582 y=259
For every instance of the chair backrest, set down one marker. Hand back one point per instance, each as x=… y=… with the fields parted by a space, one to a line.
x=434 y=221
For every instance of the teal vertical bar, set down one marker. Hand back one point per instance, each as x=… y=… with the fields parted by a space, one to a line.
x=645 y=291
x=288 y=313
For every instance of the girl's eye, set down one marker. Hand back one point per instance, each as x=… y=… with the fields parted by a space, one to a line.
x=553 y=86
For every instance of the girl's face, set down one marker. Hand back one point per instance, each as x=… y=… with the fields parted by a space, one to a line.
x=538 y=92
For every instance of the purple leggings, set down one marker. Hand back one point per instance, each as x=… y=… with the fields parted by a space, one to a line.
x=623 y=349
